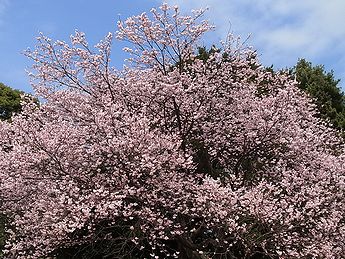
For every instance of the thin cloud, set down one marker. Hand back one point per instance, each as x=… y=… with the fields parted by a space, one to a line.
x=3 y=6
x=281 y=30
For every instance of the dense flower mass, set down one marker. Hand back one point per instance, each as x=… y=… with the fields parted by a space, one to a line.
x=172 y=157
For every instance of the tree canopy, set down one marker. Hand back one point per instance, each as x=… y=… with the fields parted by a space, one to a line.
x=323 y=87
x=171 y=157
x=9 y=101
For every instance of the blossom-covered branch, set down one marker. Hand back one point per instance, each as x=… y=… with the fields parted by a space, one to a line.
x=173 y=157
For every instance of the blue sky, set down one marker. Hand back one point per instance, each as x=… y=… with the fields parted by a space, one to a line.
x=281 y=30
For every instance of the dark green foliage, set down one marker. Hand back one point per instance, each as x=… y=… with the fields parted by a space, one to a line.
x=9 y=101
x=323 y=87
x=204 y=53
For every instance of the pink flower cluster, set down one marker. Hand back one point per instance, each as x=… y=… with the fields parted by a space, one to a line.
x=188 y=157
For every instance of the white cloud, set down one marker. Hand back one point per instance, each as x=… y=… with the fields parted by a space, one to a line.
x=281 y=30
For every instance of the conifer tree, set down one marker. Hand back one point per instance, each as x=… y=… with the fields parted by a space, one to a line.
x=324 y=89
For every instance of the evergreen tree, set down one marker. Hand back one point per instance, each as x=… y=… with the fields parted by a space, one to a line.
x=9 y=101
x=323 y=87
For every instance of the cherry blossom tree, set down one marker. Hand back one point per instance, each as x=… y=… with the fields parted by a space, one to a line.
x=171 y=157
